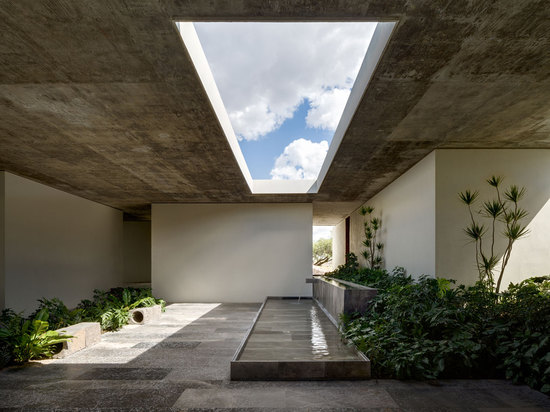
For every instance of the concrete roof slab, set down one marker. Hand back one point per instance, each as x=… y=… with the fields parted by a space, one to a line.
x=101 y=99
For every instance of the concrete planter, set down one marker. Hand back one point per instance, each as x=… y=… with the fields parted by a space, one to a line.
x=141 y=316
x=339 y=296
x=84 y=334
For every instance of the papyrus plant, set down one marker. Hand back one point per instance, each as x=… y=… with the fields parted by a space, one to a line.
x=502 y=211
x=373 y=247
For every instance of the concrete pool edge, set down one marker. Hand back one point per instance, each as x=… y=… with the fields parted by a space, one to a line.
x=318 y=369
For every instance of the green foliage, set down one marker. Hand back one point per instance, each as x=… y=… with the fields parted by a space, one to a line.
x=348 y=269
x=373 y=248
x=412 y=331
x=524 y=343
x=25 y=339
x=143 y=303
x=114 y=319
x=503 y=211
x=59 y=315
x=6 y=353
x=10 y=325
x=429 y=329
x=378 y=278
x=111 y=307
x=322 y=251
x=31 y=339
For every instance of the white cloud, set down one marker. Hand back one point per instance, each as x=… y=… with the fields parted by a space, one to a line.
x=322 y=232
x=265 y=70
x=301 y=159
x=327 y=108
x=257 y=120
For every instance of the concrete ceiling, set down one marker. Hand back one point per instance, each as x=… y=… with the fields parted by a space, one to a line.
x=100 y=99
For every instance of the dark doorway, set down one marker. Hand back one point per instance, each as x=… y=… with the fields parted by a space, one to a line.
x=347 y=237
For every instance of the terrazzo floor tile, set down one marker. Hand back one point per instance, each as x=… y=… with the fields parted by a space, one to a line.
x=165 y=367
x=124 y=374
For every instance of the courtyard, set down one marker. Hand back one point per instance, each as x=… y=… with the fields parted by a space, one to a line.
x=181 y=363
x=172 y=148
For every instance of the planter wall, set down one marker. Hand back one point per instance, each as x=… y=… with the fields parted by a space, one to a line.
x=83 y=334
x=339 y=296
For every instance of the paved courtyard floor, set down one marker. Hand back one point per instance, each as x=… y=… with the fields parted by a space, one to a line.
x=181 y=363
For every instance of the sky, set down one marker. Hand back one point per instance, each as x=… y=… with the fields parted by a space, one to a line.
x=322 y=232
x=284 y=86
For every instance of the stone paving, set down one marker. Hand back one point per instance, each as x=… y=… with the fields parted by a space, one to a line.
x=181 y=363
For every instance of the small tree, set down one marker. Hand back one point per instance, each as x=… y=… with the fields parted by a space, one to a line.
x=322 y=251
x=372 y=226
x=504 y=208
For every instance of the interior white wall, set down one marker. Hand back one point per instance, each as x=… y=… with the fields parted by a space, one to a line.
x=458 y=170
x=57 y=245
x=339 y=244
x=231 y=252
x=407 y=210
x=137 y=252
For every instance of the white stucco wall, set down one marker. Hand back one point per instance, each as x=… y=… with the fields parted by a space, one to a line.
x=231 y=252
x=407 y=210
x=57 y=245
x=458 y=170
x=137 y=252
x=339 y=244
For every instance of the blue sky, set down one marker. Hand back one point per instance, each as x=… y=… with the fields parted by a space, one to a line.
x=284 y=86
x=261 y=154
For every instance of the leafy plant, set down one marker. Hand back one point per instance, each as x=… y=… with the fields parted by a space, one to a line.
x=24 y=339
x=348 y=269
x=31 y=339
x=428 y=328
x=111 y=307
x=373 y=247
x=524 y=341
x=10 y=324
x=116 y=304
x=114 y=319
x=503 y=209
x=59 y=315
x=6 y=353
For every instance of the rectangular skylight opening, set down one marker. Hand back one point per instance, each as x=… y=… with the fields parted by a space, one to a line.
x=285 y=93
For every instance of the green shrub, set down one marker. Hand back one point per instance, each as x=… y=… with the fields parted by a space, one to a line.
x=523 y=343
x=31 y=339
x=10 y=324
x=6 y=354
x=416 y=330
x=22 y=340
x=428 y=329
x=111 y=307
x=348 y=269
x=377 y=278
x=114 y=319
x=59 y=315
